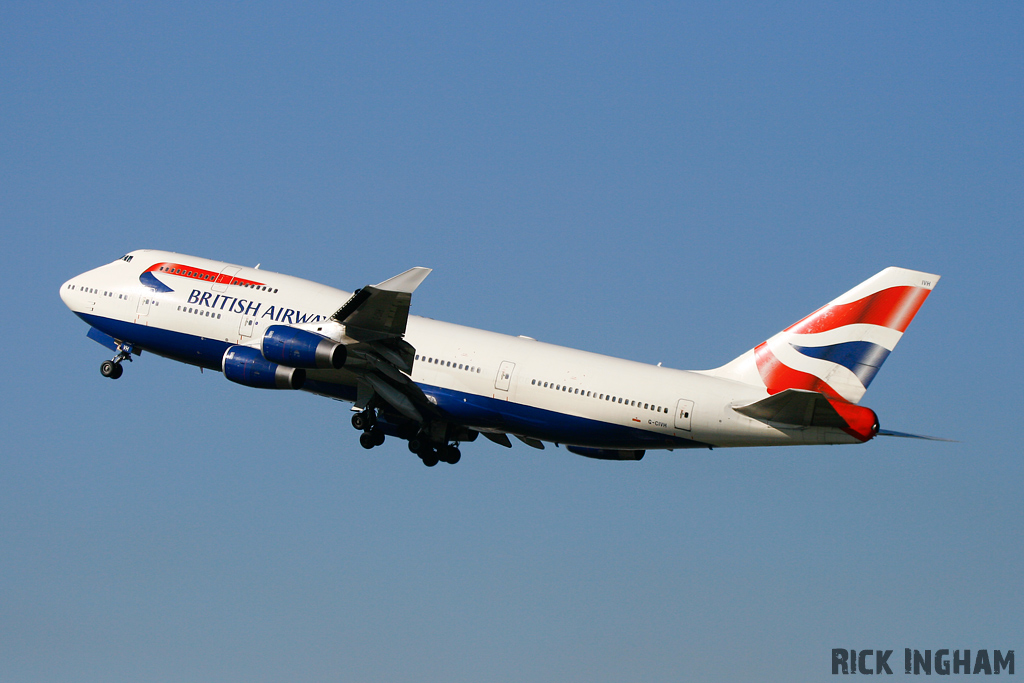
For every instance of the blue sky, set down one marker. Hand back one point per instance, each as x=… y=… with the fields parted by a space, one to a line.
x=661 y=181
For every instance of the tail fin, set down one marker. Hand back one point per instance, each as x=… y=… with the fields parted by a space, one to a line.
x=838 y=349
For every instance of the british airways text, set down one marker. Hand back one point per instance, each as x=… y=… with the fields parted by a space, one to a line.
x=233 y=304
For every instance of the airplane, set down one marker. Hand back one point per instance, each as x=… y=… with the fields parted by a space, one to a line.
x=439 y=385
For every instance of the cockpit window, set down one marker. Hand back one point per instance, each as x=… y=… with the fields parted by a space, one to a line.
x=127 y=258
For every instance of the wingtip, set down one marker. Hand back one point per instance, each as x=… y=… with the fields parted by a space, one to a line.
x=405 y=282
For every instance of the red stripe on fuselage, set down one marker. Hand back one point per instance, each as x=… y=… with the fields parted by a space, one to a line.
x=193 y=273
x=893 y=308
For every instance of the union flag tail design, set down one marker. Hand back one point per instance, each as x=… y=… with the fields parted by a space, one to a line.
x=838 y=349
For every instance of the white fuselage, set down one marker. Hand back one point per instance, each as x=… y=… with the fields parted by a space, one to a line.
x=481 y=380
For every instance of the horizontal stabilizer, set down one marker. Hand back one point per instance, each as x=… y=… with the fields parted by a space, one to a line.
x=797 y=407
x=904 y=435
x=802 y=408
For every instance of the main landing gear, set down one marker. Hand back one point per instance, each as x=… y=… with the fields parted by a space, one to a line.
x=112 y=368
x=429 y=450
x=432 y=454
x=366 y=422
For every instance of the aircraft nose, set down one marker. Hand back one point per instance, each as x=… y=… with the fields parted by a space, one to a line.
x=65 y=293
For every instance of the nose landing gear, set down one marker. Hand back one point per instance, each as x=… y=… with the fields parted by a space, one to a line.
x=112 y=368
x=109 y=368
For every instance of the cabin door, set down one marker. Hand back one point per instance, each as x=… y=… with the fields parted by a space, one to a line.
x=504 y=378
x=684 y=411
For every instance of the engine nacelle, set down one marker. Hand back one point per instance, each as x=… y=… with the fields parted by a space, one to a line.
x=301 y=349
x=605 y=453
x=246 y=366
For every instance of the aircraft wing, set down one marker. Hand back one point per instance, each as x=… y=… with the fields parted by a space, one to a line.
x=380 y=311
x=375 y=317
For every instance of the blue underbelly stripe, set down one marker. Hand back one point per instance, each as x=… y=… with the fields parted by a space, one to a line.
x=460 y=407
x=187 y=348
x=548 y=425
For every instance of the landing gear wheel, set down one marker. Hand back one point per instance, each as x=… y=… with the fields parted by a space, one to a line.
x=427 y=453
x=416 y=445
x=362 y=421
x=109 y=368
x=367 y=440
x=451 y=455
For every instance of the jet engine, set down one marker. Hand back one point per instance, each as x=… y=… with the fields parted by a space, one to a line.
x=301 y=349
x=245 y=365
